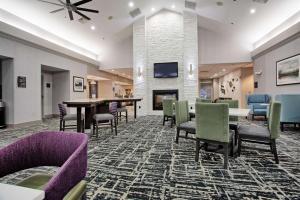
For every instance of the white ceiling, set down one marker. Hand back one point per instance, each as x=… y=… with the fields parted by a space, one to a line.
x=248 y=27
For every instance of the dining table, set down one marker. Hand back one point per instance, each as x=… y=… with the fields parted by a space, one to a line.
x=97 y=105
x=234 y=112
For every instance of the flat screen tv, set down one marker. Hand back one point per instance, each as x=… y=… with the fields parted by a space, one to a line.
x=166 y=70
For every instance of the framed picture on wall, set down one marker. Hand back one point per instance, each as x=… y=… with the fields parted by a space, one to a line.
x=78 y=84
x=288 y=71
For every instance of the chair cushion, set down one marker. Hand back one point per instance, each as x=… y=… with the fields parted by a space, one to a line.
x=254 y=132
x=37 y=181
x=70 y=117
x=103 y=117
x=189 y=126
x=123 y=109
x=260 y=111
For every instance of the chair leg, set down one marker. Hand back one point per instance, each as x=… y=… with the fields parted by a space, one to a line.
x=177 y=135
x=97 y=129
x=273 y=143
x=239 y=146
x=116 y=127
x=83 y=126
x=186 y=134
x=60 y=125
x=197 y=150
x=64 y=124
x=126 y=116
x=281 y=126
x=111 y=126
x=172 y=121
x=252 y=117
x=164 y=120
x=225 y=156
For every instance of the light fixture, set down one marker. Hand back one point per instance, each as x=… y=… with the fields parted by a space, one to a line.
x=93 y=27
x=93 y=82
x=223 y=70
x=191 y=70
x=173 y=6
x=130 y=4
x=139 y=72
x=252 y=10
x=153 y=9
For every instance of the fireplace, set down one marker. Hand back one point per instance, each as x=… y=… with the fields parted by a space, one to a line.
x=159 y=95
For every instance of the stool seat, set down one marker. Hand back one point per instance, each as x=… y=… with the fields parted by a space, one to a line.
x=103 y=117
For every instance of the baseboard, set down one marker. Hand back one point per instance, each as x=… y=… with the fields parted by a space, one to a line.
x=24 y=124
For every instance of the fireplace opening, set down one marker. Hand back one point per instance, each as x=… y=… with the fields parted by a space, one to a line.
x=159 y=95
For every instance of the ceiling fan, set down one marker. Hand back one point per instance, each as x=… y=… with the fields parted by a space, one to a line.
x=72 y=7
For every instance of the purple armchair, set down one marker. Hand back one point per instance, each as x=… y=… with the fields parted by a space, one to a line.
x=65 y=150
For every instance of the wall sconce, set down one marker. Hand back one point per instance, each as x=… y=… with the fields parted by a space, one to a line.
x=258 y=73
x=139 y=72
x=191 y=70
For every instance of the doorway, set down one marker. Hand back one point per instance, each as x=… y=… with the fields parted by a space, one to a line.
x=55 y=88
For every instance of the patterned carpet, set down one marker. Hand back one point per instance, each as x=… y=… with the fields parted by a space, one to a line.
x=143 y=162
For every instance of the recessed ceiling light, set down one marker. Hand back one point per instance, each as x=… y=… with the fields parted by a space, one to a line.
x=224 y=70
x=112 y=70
x=252 y=11
x=130 y=4
x=153 y=9
x=93 y=27
x=173 y=6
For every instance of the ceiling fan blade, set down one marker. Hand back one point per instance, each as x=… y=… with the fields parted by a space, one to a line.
x=87 y=10
x=55 y=11
x=81 y=2
x=57 y=4
x=62 y=2
x=82 y=15
x=70 y=15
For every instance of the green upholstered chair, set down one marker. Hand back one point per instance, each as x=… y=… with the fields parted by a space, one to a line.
x=39 y=181
x=212 y=127
x=233 y=120
x=182 y=119
x=168 y=111
x=262 y=134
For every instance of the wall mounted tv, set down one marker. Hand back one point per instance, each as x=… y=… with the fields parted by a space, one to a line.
x=166 y=70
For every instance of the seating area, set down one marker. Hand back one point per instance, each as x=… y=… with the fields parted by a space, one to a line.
x=148 y=100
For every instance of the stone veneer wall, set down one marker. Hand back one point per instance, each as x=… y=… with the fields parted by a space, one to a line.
x=165 y=37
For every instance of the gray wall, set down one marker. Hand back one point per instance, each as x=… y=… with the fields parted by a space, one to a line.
x=267 y=64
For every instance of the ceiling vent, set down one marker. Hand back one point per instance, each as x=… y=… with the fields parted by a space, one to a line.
x=260 y=1
x=135 y=12
x=190 y=5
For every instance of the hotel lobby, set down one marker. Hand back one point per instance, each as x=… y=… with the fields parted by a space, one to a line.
x=139 y=99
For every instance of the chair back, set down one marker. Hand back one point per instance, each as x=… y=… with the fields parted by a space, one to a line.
x=200 y=100
x=113 y=107
x=274 y=120
x=62 y=111
x=231 y=104
x=61 y=149
x=168 y=106
x=290 y=106
x=181 y=112
x=212 y=121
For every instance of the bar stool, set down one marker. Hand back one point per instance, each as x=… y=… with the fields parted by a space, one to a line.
x=63 y=117
x=106 y=119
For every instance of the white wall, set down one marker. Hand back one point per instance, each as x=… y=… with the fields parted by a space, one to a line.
x=27 y=61
x=267 y=64
x=117 y=54
x=219 y=48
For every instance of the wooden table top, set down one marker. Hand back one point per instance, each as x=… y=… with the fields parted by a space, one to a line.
x=88 y=102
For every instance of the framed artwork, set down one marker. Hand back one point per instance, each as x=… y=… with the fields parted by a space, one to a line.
x=288 y=71
x=78 y=84
x=21 y=81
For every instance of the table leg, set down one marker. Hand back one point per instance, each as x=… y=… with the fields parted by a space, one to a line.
x=79 y=130
x=134 y=106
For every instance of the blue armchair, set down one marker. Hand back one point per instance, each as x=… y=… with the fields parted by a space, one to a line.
x=290 y=109
x=255 y=102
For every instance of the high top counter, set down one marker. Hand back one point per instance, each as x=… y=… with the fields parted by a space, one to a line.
x=93 y=106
